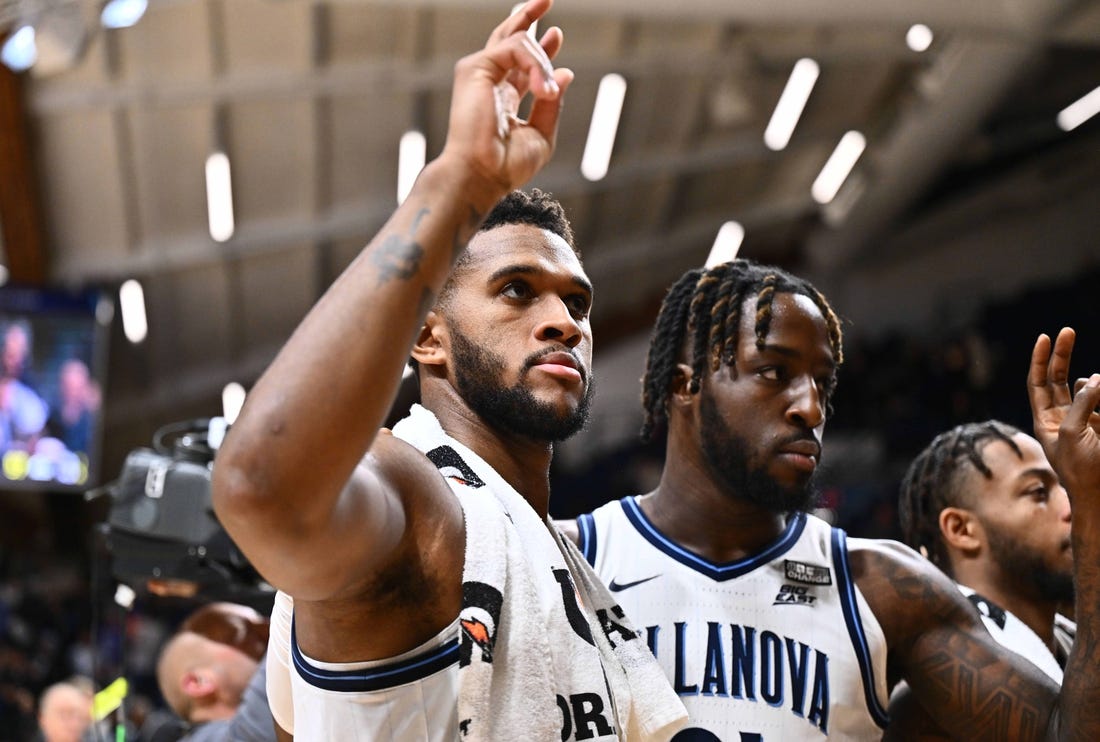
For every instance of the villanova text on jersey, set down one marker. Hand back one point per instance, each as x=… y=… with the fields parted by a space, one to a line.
x=744 y=663
x=775 y=646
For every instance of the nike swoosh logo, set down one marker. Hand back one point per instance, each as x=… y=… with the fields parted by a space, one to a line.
x=617 y=586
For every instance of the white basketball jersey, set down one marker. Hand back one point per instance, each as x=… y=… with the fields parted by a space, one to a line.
x=1018 y=636
x=408 y=697
x=780 y=646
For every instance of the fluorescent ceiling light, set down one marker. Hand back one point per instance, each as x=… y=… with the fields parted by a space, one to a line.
x=122 y=13
x=726 y=244
x=410 y=162
x=232 y=401
x=131 y=298
x=838 y=167
x=791 y=102
x=919 y=37
x=219 y=197
x=20 y=50
x=605 y=123
x=1077 y=113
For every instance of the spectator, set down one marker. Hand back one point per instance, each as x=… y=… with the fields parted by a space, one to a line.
x=65 y=711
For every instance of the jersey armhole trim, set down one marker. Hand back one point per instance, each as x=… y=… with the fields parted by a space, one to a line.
x=586 y=535
x=375 y=678
x=849 y=608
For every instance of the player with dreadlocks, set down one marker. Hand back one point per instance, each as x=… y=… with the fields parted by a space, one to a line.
x=771 y=624
x=983 y=503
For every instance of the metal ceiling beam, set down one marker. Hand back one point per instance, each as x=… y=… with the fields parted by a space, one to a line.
x=898 y=170
x=274 y=235
x=399 y=76
x=1001 y=16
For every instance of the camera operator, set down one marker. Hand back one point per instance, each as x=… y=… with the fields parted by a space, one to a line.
x=164 y=539
x=212 y=673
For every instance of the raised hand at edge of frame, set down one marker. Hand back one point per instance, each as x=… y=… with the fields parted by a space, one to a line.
x=484 y=131
x=1067 y=425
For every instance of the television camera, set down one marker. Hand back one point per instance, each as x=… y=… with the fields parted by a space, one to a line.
x=161 y=527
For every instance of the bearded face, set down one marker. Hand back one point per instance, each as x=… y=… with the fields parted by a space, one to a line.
x=479 y=376
x=731 y=458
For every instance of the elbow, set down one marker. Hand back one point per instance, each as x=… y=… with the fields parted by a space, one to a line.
x=239 y=492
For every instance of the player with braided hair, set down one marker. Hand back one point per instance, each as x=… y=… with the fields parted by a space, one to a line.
x=710 y=302
x=771 y=624
x=982 y=502
x=937 y=479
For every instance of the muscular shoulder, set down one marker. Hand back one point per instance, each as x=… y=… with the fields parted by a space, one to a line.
x=908 y=594
x=415 y=590
x=432 y=516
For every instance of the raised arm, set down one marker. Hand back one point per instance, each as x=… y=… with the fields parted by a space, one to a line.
x=969 y=685
x=1068 y=427
x=289 y=484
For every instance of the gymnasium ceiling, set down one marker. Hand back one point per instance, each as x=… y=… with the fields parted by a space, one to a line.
x=310 y=98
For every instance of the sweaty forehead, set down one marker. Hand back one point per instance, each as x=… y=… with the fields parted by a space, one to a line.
x=520 y=244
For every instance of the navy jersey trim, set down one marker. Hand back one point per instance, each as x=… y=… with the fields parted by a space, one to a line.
x=717 y=572
x=375 y=678
x=586 y=535
x=849 y=607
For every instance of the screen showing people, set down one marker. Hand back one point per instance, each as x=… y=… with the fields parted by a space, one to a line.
x=50 y=389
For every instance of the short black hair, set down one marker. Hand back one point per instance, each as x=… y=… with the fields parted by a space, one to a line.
x=537 y=209
x=935 y=481
x=704 y=307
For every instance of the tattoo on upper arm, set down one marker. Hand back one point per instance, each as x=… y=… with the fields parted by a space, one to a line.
x=398 y=256
x=972 y=691
x=970 y=684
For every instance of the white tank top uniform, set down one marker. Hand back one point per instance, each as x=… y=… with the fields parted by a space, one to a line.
x=776 y=647
x=1016 y=635
x=539 y=650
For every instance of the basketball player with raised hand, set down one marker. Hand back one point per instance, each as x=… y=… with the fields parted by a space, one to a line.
x=982 y=502
x=423 y=593
x=771 y=624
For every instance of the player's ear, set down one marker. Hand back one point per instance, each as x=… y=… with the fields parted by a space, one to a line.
x=679 y=392
x=430 y=348
x=198 y=682
x=961 y=530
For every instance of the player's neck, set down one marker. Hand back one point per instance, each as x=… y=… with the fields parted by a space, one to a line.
x=691 y=508
x=523 y=462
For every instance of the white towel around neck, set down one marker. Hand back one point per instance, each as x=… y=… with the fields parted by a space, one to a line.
x=510 y=676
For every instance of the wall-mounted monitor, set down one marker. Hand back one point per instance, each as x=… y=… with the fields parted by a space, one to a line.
x=53 y=357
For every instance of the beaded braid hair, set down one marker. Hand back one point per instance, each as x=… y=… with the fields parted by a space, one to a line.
x=935 y=480
x=702 y=312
